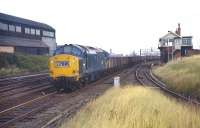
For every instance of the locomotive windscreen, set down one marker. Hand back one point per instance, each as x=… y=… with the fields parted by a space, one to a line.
x=68 y=49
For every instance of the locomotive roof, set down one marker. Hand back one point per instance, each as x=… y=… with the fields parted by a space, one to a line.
x=88 y=49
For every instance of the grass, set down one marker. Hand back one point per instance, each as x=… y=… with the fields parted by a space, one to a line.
x=182 y=75
x=12 y=64
x=135 y=107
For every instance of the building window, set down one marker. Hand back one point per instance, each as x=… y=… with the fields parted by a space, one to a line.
x=11 y=28
x=27 y=30
x=18 y=29
x=32 y=31
x=186 y=42
x=3 y=26
x=48 y=33
x=37 y=32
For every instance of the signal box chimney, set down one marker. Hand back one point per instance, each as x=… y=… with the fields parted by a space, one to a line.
x=179 y=29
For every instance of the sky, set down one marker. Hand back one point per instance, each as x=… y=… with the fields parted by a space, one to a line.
x=121 y=25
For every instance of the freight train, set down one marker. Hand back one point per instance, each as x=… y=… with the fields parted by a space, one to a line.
x=74 y=64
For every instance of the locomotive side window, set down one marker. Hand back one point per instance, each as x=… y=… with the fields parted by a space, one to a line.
x=58 y=51
x=76 y=51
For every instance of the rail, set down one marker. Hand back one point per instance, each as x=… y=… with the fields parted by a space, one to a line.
x=157 y=83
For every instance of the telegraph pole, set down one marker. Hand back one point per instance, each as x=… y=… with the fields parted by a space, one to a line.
x=168 y=50
x=172 y=54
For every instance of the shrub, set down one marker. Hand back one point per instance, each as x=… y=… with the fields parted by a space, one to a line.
x=18 y=63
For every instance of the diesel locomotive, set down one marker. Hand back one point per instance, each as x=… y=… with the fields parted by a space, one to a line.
x=74 y=64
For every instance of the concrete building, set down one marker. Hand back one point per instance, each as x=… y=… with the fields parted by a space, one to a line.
x=173 y=45
x=26 y=36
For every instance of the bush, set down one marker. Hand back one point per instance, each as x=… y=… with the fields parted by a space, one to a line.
x=7 y=59
x=18 y=63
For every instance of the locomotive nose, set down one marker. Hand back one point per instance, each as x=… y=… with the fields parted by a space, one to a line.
x=64 y=66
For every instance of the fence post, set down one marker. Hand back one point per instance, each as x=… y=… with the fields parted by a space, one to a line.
x=117 y=81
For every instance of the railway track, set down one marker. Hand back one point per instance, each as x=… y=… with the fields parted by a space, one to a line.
x=23 y=110
x=12 y=87
x=21 y=77
x=26 y=88
x=10 y=83
x=145 y=77
x=22 y=96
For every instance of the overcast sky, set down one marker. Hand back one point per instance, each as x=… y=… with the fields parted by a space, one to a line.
x=123 y=25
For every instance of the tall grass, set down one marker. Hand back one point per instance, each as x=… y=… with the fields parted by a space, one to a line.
x=135 y=107
x=182 y=75
x=11 y=64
